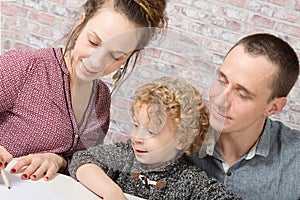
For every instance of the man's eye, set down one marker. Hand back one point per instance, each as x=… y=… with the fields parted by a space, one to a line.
x=223 y=82
x=242 y=96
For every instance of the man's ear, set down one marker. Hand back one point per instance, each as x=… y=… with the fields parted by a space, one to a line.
x=275 y=106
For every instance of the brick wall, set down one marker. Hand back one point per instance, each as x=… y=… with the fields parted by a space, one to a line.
x=201 y=30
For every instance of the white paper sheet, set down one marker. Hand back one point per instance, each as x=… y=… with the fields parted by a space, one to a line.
x=24 y=189
x=59 y=188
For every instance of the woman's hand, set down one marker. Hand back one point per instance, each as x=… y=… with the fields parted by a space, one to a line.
x=5 y=157
x=39 y=165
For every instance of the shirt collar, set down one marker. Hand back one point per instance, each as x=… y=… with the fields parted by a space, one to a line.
x=261 y=147
x=263 y=144
x=252 y=151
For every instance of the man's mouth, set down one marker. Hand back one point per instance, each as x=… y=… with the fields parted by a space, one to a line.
x=220 y=113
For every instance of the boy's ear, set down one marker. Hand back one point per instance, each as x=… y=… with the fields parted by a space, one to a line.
x=180 y=143
x=275 y=106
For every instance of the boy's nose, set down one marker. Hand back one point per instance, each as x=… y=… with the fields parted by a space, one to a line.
x=137 y=140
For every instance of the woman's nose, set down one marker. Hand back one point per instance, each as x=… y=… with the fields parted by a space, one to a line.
x=99 y=60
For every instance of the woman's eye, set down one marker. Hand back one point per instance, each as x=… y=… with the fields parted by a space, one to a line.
x=116 y=58
x=93 y=43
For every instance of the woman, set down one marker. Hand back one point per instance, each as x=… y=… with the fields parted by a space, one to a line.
x=52 y=103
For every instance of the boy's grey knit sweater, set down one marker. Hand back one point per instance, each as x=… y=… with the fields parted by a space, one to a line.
x=178 y=179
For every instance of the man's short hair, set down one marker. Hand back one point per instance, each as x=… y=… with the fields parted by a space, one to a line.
x=278 y=52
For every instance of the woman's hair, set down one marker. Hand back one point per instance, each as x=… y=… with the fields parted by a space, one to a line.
x=144 y=13
x=182 y=103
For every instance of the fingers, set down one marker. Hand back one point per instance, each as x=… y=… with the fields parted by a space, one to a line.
x=50 y=174
x=45 y=170
x=35 y=166
x=5 y=157
x=55 y=166
x=21 y=164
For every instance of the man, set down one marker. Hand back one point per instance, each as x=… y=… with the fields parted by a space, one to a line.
x=254 y=156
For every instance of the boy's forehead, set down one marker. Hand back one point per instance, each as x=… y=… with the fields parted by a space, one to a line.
x=151 y=115
x=141 y=112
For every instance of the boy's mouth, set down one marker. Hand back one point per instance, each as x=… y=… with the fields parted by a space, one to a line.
x=140 y=151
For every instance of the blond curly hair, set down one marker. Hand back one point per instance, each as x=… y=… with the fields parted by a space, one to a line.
x=182 y=103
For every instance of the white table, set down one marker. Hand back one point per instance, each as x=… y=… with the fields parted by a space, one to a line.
x=60 y=187
x=68 y=188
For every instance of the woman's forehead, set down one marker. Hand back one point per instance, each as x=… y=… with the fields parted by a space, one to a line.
x=108 y=23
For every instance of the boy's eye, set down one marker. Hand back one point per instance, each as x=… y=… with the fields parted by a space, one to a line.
x=150 y=132
x=135 y=125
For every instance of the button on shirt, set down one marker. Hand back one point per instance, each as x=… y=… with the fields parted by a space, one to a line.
x=270 y=170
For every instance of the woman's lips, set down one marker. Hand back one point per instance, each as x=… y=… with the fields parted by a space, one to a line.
x=87 y=71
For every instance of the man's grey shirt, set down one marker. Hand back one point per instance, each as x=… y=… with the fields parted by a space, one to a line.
x=272 y=173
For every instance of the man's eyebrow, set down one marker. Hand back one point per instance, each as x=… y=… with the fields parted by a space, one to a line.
x=241 y=87
x=220 y=73
x=251 y=94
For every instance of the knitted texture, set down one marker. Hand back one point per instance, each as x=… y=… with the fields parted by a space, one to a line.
x=177 y=179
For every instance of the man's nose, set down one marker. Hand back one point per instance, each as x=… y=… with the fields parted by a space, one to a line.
x=223 y=99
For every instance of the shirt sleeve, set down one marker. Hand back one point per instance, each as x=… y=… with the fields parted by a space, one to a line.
x=111 y=158
x=14 y=67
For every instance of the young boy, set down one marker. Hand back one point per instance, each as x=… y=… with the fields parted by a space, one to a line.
x=170 y=120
